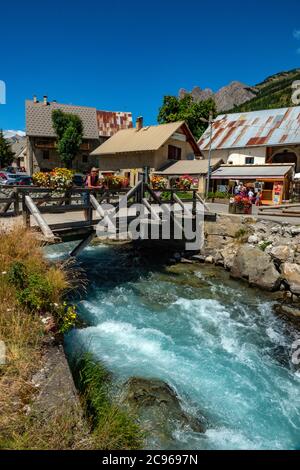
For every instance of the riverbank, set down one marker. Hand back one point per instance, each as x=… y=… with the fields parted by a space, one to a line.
x=264 y=253
x=40 y=406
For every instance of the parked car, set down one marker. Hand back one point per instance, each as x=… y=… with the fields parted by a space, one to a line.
x=8 y=178
x=24 y=180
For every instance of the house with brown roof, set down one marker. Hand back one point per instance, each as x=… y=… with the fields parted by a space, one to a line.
x=255 y=138
x=129 y=151
x=41 y=153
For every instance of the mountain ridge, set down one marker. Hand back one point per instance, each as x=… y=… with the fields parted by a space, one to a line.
x=273 y=92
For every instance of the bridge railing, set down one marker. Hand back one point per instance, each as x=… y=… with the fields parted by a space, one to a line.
x=54 y=200
x=35 y=202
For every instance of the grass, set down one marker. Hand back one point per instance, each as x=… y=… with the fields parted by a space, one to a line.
x=264 y=244
x=31 y=288
x=21 y=328
x=112 y=427
x=241 y=234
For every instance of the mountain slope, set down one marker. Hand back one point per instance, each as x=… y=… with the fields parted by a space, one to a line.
x=274 y=92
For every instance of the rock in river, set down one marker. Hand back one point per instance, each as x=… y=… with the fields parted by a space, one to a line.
x=257 y=267
x=282 y=253
x=291 y=274
x=158 y=409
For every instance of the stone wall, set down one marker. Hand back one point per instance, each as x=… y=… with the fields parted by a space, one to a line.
x=264 y=253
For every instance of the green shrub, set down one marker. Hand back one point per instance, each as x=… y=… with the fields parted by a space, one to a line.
x=36 y=296
x=17 y=275
x=264 y=244
x=112 y=427
x=240 y=233
x=65 y=316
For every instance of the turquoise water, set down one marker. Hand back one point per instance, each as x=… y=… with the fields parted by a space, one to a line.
x=214 y=340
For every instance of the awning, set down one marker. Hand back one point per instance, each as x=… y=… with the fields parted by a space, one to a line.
x=252 y=172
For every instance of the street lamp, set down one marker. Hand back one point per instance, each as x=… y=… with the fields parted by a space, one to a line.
x=209 y=121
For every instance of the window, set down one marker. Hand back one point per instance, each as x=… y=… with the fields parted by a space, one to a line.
x=84 y=158
x=174 y=153
x=46 y=155
x=249 y=160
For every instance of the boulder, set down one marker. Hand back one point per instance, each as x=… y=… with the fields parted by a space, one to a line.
x=295 y=231
x=275 y=229
x=198 y=258
x=282 y=253
x=224 y=227
x=256 y=267
x=209 y=259
x=253 y=239
x=158 y=409
x=291 y=274
x=293 y=312
x=228 y=254
x=186 y=261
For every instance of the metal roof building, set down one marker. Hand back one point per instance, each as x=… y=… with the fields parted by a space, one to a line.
x=110 y=122
x=270 y=127
x=239 y=172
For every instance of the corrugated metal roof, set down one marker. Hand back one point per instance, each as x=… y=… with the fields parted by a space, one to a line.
x=149 y=138
x=189 y=167
x=39 y=119
x=110 y=122
x=251 y=171
x=258 y=128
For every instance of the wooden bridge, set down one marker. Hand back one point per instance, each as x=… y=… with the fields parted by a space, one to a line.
x=50 y=211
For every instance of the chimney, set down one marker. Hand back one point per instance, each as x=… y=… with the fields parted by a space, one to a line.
x=35 y=100
x=139 y=123
x=45 y=100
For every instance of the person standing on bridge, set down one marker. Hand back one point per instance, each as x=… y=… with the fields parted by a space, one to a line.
x=92 y=182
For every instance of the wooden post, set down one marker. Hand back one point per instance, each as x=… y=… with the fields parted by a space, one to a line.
x=89 y=208
x=16 y=202
x=32 y=208
x=25 y=212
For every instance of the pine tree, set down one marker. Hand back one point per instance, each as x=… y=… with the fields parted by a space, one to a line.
x=69 y=130
x=6 y=153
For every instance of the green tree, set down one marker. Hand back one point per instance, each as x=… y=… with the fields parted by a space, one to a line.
x=69 y=131
x=186 y=109
x=6 y=153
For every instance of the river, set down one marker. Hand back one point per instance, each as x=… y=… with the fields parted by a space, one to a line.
x=216 y=341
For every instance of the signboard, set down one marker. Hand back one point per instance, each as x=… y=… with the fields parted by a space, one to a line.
x=277 y=192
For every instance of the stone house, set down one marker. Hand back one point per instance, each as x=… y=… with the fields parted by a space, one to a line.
x=129 y=151
x=255 y=138
x=98 y=126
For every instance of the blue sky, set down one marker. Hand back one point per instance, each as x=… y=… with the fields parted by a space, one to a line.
x=125 y=55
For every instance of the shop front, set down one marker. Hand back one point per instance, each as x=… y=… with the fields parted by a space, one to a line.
x=272 y=183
